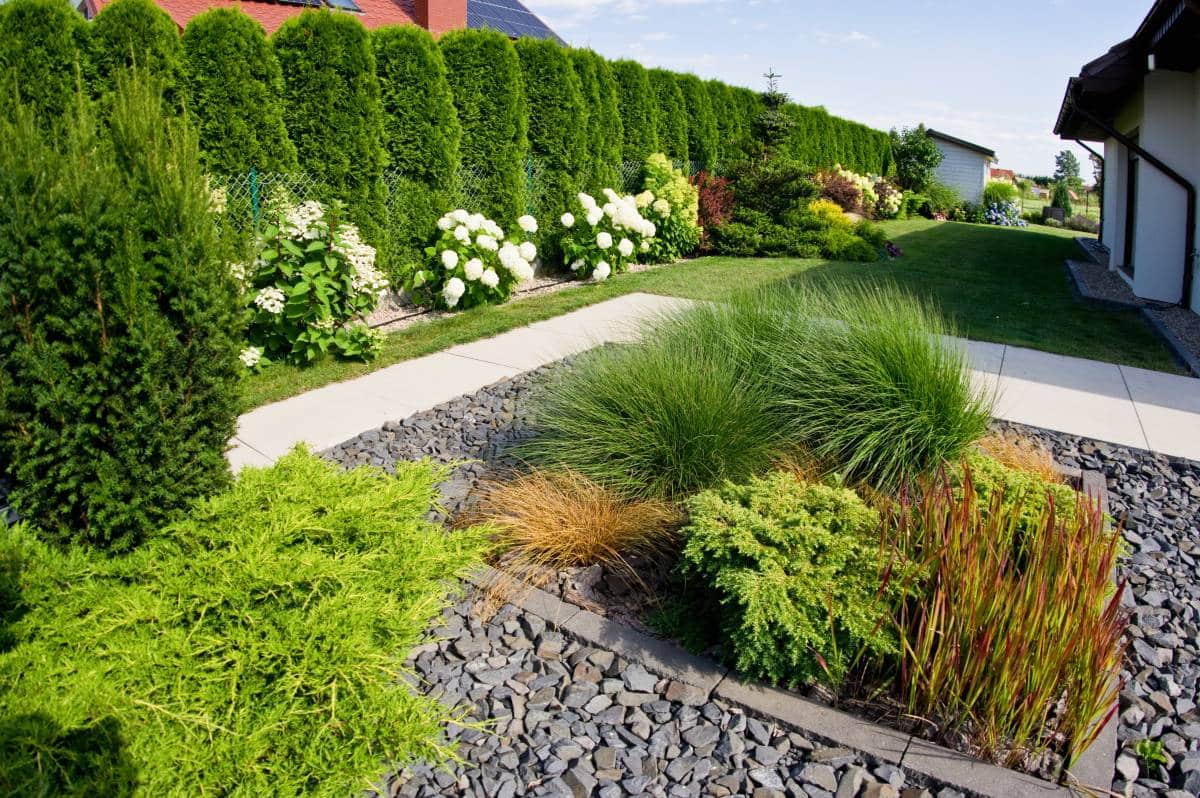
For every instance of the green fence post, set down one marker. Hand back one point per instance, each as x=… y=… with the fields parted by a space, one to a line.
x=254 y=194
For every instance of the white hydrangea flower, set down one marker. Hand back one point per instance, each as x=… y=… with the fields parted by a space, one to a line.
x=460 y=216
x=594 y=216
x=492 y=229
x=462 y=233
x=645 y=246
x=568 y=219
x=625 y=247
x=510 y=257
x=662 y=207
x=528 y=224
x=453 y=291
x=270 y=299
x=649 y=230
x=609 y=208
x=587 y=201
x=250 y=356
x=238 y=272
x=604 y=240
x=490 y=278
x=445 y=223
x=524 y=271
x=473 y=269
x=603 y=270
x=528 y=250
x=473 y=222
x=485 y=241
x=644 y=199
x=449 y=258
x=577 y=264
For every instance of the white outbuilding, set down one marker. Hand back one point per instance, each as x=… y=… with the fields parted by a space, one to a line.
x=965 y=166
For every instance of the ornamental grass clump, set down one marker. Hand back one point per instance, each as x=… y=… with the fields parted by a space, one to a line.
x=798 y=574
x=1015 y=643
x=310 y=290
x=680 y=411
x=867 y=381
x=603 y=240
x=256 y=647
x=550 y=520
x=472 y=262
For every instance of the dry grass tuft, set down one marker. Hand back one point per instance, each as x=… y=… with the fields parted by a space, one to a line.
x=1022 y=453
x=550 y=520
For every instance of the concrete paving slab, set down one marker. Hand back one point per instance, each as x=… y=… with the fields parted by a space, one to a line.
x=1068 y=394
x=427 y=381
x=1168 y=406
x=524 y=348
x=240 y=455
x=981 y=355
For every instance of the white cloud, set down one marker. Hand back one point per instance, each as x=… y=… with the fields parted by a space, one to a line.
x=853 y=37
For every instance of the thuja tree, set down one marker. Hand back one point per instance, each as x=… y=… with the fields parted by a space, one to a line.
x=332 y=112
x=232 y=86
x=43 y=52
x=639 y=111
x=136 y=33
x=604 y=126
x=672 y=123
x=421 y=136
x=119 y=344
x=558 y=141
x=725 y=115
x=485 y=80
x=701 y=124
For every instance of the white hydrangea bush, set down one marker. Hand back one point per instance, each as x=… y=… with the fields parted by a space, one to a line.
x=310 y=289
x=601 y=240
x=473 y=262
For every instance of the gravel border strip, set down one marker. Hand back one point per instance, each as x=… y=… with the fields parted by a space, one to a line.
x=1179 y=350
x=813 y=719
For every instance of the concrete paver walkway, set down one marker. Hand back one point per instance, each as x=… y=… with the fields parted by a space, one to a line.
x=1119 y=404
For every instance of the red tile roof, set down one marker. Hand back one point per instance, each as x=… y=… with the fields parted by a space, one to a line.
x=376 y=13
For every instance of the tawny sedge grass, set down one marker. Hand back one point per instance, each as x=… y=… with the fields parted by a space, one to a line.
x=1021 y=452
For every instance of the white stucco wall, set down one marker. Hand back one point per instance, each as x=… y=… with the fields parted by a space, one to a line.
x=1169 y=132
x=962 y=169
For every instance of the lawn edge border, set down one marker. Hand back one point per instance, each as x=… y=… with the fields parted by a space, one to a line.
x=1180 y=352
x=1093 y=771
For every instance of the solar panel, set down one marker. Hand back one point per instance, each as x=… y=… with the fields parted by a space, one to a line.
x=344 y=5
x=510 y=17
x=309 y=3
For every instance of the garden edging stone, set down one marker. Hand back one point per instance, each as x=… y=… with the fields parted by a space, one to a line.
x=810 y=718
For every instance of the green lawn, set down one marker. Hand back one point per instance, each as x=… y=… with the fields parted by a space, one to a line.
x=996 y=284
x=1089 y=207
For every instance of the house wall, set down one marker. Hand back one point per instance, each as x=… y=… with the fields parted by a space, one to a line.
x=962 y=169
x=1169 y=132
x=1116 y=181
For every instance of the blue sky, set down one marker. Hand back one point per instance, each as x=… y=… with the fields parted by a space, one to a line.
x=991 y=73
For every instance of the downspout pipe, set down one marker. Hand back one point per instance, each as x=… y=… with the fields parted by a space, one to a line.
x=1189 y=254
x=1100 y=158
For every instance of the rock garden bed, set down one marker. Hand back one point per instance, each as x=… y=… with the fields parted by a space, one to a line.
x=1158 y=497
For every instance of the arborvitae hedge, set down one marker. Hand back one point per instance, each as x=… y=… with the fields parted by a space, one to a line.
x=639 y=111
x=118 y=346
x=136 y=32
x=558 y=140
x=41 y=44
x=232 y=87
x=333 y=115
x=605 y=130
x=720 y=99
x=421 y=136
x=821 y=141
x=485 y=80
x=703 y=141
x=672 y=122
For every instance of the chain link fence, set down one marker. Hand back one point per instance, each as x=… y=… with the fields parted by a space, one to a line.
x=252 y=196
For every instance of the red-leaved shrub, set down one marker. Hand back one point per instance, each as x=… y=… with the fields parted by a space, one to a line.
x=840 y=190
x=716 y=199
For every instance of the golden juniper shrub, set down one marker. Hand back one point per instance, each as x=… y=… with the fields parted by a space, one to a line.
x=797 y=570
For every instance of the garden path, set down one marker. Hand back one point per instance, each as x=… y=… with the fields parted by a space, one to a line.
x=1120 y=404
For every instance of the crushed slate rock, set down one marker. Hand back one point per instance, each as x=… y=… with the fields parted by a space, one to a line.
x=1157 y=497
x=1101 y=283
x=571 y=720
x=1184 y=325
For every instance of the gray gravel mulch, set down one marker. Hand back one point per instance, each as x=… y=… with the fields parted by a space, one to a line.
x=1158 y=498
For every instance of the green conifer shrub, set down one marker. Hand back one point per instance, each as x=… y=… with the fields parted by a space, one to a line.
x=558 y=141
x=232 y=87
x=422 y=138
x=485 y=80
x=639 y=111
x=703 y=141
x=333 y=115
x=605 y=129
x=42 y=43
x=118 y=351
x=670 y=116
x=136 y=33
